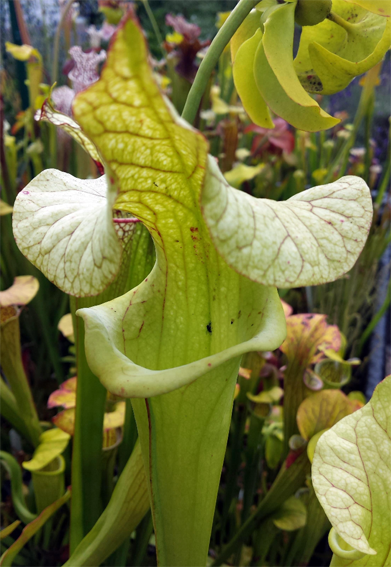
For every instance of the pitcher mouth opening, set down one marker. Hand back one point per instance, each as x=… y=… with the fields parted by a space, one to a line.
x=123 y=377
x=55 y=467
x=342 y=549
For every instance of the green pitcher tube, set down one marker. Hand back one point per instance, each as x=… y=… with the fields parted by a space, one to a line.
x=49 y=483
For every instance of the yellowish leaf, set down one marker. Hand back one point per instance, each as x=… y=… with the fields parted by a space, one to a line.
x=65 y=396
x=281 y=89
x=245 y=373
x=22 y=52
x=65 y=325
x=52 y=443
x=245 y=31
x=5 y=208
x=267 y=396
x=245 y=82
x=379 y=7
x=22 y=291
x=65 y=420
x=115 y=418
x=290 y=516
x=322 y=410
x=242 y=173
x=312 y=444
x=288 y=310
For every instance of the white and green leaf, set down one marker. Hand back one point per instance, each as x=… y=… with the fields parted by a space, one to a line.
x=64 y=226
x=352 y=480
x=314 y=237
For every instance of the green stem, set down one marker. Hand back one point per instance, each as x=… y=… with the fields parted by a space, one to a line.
x=91 y=395
x=386 y=177
x=128 y=505
x=24 y=34
x=144 y=532
x=5 y=170
x=307 y=538
x=56 y=49
x=367 y=135
x=52 y=144
x=333 y=17
x=264 y=539
x=129 y=437
x=294 y=393
x=44 y=33
x=227 y=30
x=9 y=410
x=253 y=456
x=341 y=162
x=50 y=335
x=239 y=423
x=154 y=26
x=88 y=440
x=12 y=365
x=372 y=325
x=10 y=252
x=18 y=501
x=288 y=481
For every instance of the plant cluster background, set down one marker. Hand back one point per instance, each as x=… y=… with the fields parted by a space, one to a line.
x=60 y=427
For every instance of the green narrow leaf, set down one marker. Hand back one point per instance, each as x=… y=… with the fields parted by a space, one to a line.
x=12 y=467
x=31 y=529
x=9 y=529
x=128 y=505
x=137 y=260
x=306 y=540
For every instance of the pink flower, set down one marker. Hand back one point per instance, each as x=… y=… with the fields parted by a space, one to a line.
x=84 y=71
x=98 y=35
x=62 y=98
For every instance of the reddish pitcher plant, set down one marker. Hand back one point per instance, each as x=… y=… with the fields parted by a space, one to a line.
x=174 y=343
